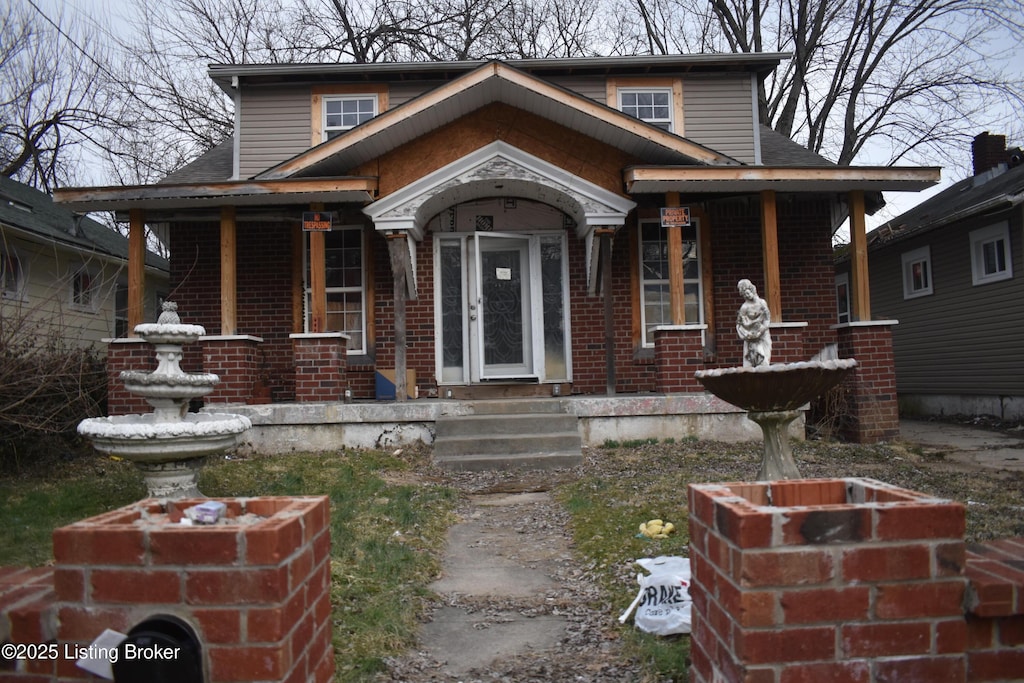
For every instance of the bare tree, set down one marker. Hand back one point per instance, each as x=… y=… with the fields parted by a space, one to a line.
x=54 y=96
x=914 y=79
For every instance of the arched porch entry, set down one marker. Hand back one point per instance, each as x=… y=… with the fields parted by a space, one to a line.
x=498 y=219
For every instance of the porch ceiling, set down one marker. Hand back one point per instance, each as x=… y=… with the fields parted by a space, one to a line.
x=494 y=82
x=745 y=179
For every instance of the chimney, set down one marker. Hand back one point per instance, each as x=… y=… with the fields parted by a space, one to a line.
x=989 y=151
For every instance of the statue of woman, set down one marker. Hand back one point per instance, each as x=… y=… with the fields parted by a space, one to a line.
x=752 y=323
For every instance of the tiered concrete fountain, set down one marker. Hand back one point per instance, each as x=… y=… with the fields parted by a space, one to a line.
x=771 y=393
x=169 y=444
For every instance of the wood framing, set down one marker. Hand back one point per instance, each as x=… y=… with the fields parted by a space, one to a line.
x=860 y=294
x=228 y=271
x=770 y=254
x=676 y=285
x=136 y=268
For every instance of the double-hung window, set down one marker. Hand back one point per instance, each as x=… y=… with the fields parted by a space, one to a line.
x=342 y=112
x=11 y=276
x=917 y=273
x=84 y=289
x=991 y=259
x=653 y=105
x=843 y=298
x=346 y=286
x=656 y=304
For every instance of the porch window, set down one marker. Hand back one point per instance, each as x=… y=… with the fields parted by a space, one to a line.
x=990 y=254
x=345 y=285
x=11 y=276
x=843 y=298
x=917 y=273
x=653 y=105
x=656 y=306
x=342 y=112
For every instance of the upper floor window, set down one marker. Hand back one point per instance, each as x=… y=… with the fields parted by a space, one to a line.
x=11 y=276
x=653 y=105
x=991 y=259
x=342 y=112
x=656 y=301
x=917 y=273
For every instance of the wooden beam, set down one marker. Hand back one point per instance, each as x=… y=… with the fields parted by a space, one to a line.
x=676 y=288
x=860 y=294
x=298 y=280
x=707 y=275
x=228 y=271
x=605 y=256
x=317 y=283
x=398 y=250
x=136 y=269
x=770 y=254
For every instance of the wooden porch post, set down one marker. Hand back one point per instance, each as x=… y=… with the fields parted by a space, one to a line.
x=136 y=268
x=398 y=250
x=860 y=295
x=228 y=271
x=605 y=235
x=676 y=288
x=317 y=283
x=770 y=254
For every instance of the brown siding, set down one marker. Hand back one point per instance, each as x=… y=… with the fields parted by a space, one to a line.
x=275 y=126
x=718 y=113
x=962 y=339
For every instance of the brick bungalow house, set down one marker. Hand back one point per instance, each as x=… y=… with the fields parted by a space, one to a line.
x=464 y=230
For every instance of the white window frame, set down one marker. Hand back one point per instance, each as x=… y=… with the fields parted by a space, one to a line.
x=842 y=297
x=354 y=97
x=361 y=289
x=993 y=235
x=649 y=343
x=91 y=304
x=917 y=258
x=667 y=123
x=11 y=287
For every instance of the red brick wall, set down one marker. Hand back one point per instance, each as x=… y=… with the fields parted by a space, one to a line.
x=319 y=369
x=257 y=596
x=237 y=363
x=123 y=355
x=678 y=354
x=265 y=308
x=797 y=584
x=871 y=411
x=264 y=290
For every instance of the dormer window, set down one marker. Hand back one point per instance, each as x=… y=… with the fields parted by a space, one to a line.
x=342 y=112
x=653 y=105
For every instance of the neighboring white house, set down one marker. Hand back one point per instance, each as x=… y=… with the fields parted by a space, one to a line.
x=60 y=269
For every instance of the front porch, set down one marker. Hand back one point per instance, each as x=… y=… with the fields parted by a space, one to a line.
x=323 y=415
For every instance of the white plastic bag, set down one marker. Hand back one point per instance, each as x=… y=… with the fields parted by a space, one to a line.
x=663 y=605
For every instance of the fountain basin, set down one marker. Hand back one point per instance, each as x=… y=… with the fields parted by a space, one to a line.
x=776 y=387
x=143 y=439
x=164 y=386
x=170 y=333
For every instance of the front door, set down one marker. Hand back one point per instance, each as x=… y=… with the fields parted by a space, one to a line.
x=501 y=307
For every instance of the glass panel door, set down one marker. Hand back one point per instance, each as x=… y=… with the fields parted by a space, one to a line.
x=503 y=306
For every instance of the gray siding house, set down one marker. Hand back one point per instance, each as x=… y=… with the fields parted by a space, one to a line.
x=951 y=272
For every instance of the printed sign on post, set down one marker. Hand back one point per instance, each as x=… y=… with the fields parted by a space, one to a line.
x=675 y=217
x=316 y=221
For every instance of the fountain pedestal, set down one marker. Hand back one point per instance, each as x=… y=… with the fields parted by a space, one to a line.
x=771 y=395
x=169 y=444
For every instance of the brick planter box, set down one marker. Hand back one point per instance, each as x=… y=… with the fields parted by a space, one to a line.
x=826 y=580
x=255 y=591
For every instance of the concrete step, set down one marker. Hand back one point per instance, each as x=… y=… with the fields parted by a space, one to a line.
x=518 y=434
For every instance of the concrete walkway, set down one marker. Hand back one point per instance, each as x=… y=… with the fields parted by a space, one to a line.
x=497 y=585
x=966 y=443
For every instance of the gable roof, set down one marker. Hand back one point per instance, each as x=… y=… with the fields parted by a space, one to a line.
x=34 y=213
x=494 y=82
x=997 y=189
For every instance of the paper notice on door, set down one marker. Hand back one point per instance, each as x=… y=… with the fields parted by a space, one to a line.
x=503 y=273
